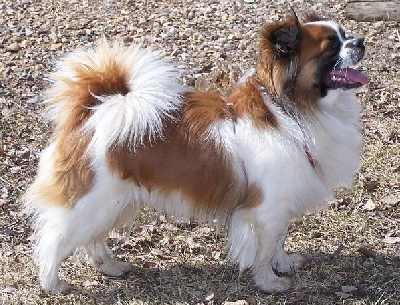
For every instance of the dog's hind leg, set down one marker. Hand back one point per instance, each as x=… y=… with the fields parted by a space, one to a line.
x=60 y=230
x=53 y=245
x=101 y=257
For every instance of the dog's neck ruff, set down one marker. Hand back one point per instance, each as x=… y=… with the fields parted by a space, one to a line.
x=289 y=111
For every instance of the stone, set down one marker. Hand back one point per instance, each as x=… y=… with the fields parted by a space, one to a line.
x=13 y=47
x=370 y=205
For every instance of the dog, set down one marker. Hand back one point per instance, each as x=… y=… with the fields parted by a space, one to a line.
x=128 y=134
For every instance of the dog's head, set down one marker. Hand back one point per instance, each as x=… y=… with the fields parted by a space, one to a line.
x=303 y=61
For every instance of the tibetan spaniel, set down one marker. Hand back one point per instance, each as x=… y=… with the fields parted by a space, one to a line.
x=127 y=134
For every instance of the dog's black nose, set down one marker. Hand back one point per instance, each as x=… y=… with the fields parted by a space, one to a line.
x=360 y=42
x=357 y=42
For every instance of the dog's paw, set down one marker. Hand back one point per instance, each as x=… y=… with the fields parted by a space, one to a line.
x=115 y=268
x=288 y=263
x=273 y=284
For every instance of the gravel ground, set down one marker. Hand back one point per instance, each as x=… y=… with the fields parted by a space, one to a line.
x=355 y=244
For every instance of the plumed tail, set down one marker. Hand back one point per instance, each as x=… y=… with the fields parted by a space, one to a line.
x=115 y=94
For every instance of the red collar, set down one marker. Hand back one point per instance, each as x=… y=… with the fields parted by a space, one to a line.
x=309 y=156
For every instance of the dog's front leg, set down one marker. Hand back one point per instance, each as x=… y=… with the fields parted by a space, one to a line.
x=286 y=263
x=254 y=236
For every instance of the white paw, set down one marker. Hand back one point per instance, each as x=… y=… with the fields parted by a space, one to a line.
x=115 y=268
x=273 y=284
x=60 y=286
x=288 y=263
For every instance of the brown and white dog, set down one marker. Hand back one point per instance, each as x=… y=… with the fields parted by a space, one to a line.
x=127 y=134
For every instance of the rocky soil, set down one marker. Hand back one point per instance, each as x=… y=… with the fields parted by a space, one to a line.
x=355 y=245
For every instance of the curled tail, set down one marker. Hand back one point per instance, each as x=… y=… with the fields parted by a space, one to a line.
x=107 y=96
x=116 y=94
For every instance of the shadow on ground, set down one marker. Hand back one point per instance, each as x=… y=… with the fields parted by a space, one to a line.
x=366 y=279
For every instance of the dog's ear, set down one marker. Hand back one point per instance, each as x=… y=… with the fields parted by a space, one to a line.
x=282 y=37
x=285 y=39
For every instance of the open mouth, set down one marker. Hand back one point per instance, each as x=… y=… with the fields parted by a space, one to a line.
x=346 y=78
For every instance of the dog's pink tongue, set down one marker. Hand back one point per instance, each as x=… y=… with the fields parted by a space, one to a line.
x=349 y=75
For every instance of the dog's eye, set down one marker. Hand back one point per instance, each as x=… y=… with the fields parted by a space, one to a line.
x=342 y=33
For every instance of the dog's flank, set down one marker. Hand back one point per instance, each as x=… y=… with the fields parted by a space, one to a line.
x=128 y=135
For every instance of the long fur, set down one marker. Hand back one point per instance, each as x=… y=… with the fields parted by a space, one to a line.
x=152 y=93
x=126 y=103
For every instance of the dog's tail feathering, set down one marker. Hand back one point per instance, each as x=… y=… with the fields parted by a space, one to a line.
x=100 y=98
x=116 y=94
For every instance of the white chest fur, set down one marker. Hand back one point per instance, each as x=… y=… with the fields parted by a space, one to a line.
x=275 y=159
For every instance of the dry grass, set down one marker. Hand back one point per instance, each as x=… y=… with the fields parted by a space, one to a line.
x=352 y=244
